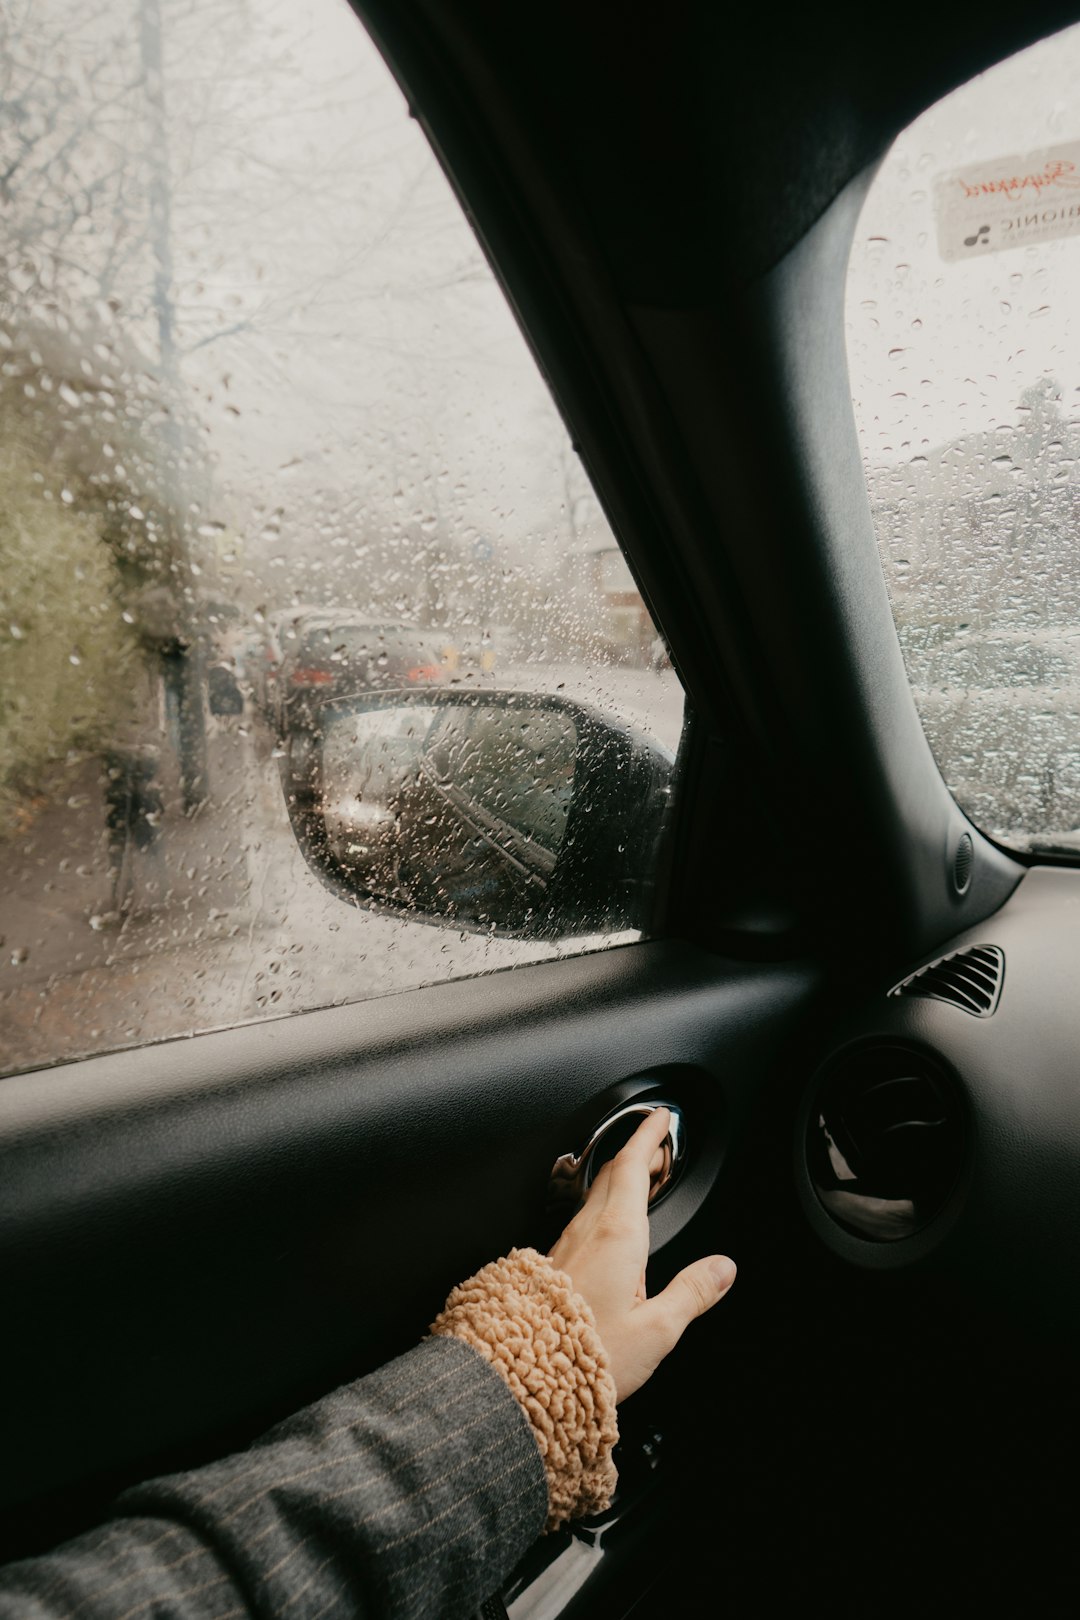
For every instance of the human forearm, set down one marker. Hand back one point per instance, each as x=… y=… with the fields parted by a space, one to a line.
x=411 y=1492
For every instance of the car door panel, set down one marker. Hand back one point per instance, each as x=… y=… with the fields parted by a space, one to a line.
x=250 y=1216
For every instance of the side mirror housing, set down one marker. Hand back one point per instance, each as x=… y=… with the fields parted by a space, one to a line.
x=513 y=813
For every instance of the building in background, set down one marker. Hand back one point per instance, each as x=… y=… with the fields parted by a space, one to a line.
x=625 y=629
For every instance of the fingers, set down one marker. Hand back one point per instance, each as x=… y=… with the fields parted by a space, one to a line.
x=622 y=1174
x=693 y=1292
x=604 y=1251
x=629 y=1184
x=598 y=1186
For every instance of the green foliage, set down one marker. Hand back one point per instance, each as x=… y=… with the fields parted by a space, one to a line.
x=68 y=661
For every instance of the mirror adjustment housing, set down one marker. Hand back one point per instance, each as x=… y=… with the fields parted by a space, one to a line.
x=514 y=813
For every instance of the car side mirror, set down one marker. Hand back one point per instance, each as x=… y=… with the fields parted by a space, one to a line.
x=508 y=812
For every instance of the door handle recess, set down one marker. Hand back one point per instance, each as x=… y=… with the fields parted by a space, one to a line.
x=573 y=1174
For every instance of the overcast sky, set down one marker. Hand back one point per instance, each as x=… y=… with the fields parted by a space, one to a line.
x=350 y=358
x=375 y=376
x=940 y=349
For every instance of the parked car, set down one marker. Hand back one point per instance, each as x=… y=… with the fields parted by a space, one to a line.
x=860 y=1000
x=325 y=656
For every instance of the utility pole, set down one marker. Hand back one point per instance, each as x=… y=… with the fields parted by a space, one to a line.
x=182 y=657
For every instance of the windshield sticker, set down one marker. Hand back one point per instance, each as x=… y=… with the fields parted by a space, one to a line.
x=1008 y=202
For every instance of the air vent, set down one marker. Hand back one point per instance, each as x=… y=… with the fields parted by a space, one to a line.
x=969 y=979
x=885 y=1141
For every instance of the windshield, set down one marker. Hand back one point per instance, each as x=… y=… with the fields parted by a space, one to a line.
x=963 y=332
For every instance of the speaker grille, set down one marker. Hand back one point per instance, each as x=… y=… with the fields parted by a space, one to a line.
x=970 y=979
x=963 y=863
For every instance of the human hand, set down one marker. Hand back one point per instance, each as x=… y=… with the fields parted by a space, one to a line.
x=604 y=1251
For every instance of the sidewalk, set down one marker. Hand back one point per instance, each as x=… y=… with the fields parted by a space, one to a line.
x=227 y=926
x=65 y=948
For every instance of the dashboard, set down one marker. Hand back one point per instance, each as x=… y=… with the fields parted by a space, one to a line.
x=941 y=1128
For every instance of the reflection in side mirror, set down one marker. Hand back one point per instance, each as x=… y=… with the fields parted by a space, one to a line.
x=508 y=812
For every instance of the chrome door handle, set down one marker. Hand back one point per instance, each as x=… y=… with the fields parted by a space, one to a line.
x=572 y=1174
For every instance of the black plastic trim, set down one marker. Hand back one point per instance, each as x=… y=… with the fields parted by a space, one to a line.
x=245 y=1218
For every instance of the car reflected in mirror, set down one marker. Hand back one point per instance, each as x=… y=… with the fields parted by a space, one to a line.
x=509 y=812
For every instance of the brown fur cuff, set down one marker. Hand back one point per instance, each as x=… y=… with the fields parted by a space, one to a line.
x=523 y=1316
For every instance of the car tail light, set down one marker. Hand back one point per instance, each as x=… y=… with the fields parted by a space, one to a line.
x=424 y=672
x=312 y=677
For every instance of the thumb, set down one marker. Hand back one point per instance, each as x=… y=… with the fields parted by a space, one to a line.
x=694 y=1291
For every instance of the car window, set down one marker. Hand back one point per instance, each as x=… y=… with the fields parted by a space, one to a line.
x=963 y=331
x=963 y=661
x=271 y=438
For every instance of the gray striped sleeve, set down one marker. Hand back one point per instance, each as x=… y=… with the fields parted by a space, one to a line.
x=412 y=1492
